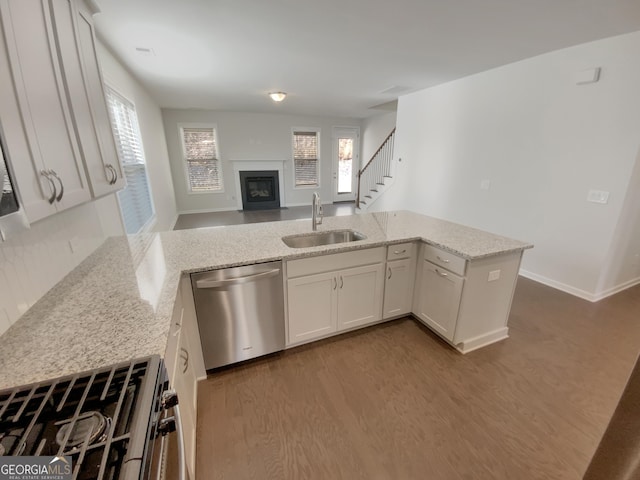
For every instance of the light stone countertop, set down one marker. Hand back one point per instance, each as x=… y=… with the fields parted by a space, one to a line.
x=117 y=304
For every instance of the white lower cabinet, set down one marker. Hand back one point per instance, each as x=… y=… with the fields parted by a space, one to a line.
x=467 y=302
x=184 y=383
x=360 y=296
x=312 y=305
x=323 y=298
x=179 y=360
x=399 y=280
x=398 y=287
x=438 y=300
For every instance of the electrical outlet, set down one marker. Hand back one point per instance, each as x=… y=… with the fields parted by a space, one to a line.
x=598 y=196
x=493 y=276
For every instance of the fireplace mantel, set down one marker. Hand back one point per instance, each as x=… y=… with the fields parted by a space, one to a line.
x=248 y=165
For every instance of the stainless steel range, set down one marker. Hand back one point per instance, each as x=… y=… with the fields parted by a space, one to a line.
x=111 y=421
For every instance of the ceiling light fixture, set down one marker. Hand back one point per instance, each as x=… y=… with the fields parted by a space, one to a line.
x=277 y=96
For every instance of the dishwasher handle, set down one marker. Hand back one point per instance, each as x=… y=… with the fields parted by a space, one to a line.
x=204 y=283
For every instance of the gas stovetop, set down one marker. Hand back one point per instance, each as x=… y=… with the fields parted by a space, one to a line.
x=100 y=418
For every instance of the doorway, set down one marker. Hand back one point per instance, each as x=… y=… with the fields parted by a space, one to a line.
x=346 y=162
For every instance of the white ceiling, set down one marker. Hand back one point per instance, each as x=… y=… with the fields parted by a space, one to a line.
x=336 y=57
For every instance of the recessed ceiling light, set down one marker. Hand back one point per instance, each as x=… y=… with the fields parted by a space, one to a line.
x=277 y=96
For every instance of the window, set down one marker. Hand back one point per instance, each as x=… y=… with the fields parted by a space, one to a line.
x=305 y=158
x=200 y=151
x=135 y=200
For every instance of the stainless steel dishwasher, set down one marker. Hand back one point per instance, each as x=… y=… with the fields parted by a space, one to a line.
x=240 y=312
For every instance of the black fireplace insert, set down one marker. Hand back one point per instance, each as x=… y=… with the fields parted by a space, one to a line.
x=260 y=190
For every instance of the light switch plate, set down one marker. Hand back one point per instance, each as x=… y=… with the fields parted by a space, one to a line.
x=598 y=196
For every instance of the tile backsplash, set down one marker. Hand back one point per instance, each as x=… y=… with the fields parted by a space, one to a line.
x=33 y=261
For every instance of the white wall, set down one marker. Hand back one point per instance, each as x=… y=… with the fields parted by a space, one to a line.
x=375 y=130
x=152 y=133
x=249 y=136
x=542 y=142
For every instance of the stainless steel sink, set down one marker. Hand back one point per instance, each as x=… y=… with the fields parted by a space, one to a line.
x=322 y=238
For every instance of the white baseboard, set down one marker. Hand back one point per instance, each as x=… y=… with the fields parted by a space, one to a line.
x=616 y=289
x=482 y=340
x=208 y=210
x=577 y=292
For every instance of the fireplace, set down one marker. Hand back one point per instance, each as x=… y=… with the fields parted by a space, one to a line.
x=260 y=189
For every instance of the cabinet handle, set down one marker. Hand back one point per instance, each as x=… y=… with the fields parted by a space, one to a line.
x=396 y=252
x=109 y=171
x=115 y=174
x=442 y=274
x=59 y=197
x=341 y=282
x=389 y=277
x=185 y=358
x=335 y=283
x=2 y=237
x=443 y=260
x=46 y=175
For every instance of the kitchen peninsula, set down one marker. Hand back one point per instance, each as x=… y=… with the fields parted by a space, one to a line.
x=118 y=303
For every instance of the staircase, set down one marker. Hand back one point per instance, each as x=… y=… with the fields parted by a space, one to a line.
x=375 y=176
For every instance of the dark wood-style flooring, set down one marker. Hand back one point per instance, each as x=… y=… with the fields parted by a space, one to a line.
x=393 y=401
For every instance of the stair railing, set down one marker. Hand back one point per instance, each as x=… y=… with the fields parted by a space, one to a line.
x=376 y=170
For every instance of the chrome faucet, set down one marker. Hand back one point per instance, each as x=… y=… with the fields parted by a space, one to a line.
x=316 y=214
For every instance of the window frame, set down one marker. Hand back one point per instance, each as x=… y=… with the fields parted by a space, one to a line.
x=294 y=130
x=151 y=221
x=185 y=166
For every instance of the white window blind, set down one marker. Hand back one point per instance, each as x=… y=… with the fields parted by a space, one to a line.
x=201 y=156
x=305 y=158
x=135 y=200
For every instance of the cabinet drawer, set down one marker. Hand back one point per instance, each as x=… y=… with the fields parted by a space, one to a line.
x=401 y=250
x=334 y=262
x=444 y=259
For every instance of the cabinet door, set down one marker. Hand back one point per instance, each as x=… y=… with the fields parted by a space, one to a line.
x=186 y=388
x=438 y=299
x=312 y=306
x=398 y=288
x=82 y=75
x=44 y=111
x=360 y=292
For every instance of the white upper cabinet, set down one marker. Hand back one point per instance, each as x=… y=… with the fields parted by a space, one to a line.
x=77 y=46
x=52 y=108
